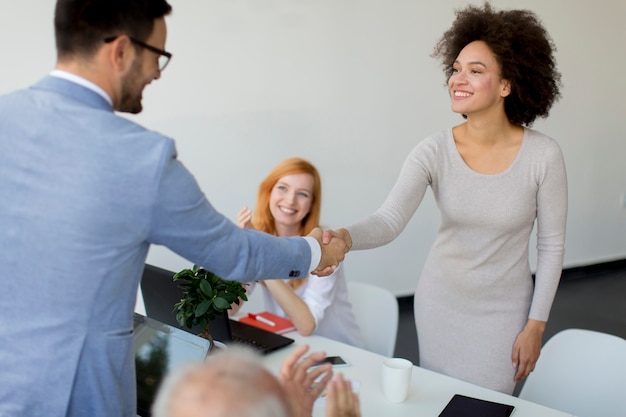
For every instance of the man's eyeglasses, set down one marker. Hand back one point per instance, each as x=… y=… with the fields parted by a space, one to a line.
x=164 y=56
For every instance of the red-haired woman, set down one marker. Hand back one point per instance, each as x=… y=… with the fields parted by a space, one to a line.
x=289 y=204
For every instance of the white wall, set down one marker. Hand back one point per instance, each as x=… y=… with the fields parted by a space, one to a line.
x=350 y=85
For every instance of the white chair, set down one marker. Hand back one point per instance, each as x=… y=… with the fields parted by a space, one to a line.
x=582 y=372
x=376 y=313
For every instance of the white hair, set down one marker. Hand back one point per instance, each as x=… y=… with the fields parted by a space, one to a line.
x=239 y=370
x=161 y=405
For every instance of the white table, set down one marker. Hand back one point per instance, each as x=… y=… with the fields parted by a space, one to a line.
x=429 y=392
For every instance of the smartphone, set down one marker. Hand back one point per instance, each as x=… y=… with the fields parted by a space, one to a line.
x=335 y=361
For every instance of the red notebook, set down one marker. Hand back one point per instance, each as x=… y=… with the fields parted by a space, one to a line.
x=269 y=321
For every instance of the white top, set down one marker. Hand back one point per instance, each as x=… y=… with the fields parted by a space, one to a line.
x=327 y=299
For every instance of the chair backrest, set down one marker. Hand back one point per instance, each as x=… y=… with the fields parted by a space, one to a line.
x=376 y=313
x=582 y=372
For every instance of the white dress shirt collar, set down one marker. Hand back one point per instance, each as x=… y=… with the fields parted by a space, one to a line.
x=81 y=81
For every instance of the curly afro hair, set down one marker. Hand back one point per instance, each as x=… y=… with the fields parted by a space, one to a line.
x=523 y=49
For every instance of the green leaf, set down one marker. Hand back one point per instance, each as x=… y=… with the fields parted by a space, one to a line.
x=205 y=296
x=202 y=308
x=184 y=274
x=180 y=318
x=221 y=303
x=206 y=289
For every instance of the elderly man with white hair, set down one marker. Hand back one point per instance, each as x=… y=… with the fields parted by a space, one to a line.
x=234 y=383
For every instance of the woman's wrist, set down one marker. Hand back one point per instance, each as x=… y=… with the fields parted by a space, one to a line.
x=535 y=325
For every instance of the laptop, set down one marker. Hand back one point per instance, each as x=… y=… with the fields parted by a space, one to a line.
x=158 y=349
x=160 y=293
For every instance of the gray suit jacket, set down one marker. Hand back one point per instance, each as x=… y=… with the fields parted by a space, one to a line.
x=84 y=193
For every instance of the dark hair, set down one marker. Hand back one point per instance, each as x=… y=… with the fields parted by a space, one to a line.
x=80 y=26
x=523 y=49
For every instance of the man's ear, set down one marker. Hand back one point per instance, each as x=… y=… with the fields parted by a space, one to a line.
x=121 y=53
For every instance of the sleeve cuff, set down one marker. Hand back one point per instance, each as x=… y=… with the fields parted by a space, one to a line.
x=316 y=252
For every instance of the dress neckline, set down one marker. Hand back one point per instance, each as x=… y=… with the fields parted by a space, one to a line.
x=461 y=161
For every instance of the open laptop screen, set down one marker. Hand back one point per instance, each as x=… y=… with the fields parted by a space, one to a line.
x=159 y=348
x=160 y=293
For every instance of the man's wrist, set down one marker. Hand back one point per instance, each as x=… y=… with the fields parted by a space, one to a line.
x=316 y=252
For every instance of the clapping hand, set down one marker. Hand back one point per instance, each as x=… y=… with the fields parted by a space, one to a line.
x=244 y=218
x=340 y=400
x=302 y=386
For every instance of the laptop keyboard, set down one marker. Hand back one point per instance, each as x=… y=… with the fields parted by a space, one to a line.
x=250 y=343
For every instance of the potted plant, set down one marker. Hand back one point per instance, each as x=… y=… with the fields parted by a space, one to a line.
x=206 y=297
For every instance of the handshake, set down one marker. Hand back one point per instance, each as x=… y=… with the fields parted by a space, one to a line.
x=334 y=244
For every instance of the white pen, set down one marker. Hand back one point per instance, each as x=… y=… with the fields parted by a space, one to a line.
x=262 y=319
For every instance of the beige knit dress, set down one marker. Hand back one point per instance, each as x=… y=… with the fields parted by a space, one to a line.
x=476 y=291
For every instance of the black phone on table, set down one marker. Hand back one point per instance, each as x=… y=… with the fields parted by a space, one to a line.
x=335 y=361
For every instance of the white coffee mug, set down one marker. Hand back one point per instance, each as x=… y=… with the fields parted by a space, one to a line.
x=396 y=379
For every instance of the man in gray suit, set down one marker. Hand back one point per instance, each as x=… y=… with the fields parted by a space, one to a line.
x=84 y=194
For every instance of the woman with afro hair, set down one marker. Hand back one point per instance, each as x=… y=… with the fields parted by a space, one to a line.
x=480 y=316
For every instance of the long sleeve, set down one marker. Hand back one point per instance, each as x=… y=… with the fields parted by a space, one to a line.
x=185 y=221
x=391 y=218
x=551 y=222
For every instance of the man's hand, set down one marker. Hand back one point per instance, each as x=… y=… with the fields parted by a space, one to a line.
x=342 y=234
x=340 y=400
x=299 y=384
x=333 y=251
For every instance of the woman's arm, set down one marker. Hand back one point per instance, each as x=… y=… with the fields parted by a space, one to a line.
x=551 y=220
x=306 y=306
x=386 y=223
x=294 y=307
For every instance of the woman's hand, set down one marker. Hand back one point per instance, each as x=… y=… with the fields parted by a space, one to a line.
x=527 y=348
x=244 y=218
